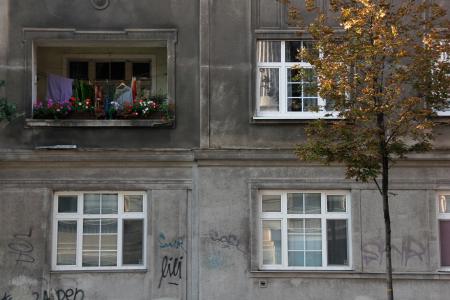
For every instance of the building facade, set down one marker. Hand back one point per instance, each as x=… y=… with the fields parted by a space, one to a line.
x=208 y=201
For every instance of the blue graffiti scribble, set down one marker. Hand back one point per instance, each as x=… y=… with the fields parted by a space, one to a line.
x=176 y=243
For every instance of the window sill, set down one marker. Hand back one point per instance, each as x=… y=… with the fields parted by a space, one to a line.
x=99 y=271
x=98 y=123
x=350 y=274
x=288 y=119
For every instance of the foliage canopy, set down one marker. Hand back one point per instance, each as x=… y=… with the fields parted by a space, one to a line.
x=385 y=72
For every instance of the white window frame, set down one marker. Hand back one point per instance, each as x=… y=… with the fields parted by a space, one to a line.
x=283 y=112
x=80 y=216
x=444 y=113
x=441 y=216
x=324 y=216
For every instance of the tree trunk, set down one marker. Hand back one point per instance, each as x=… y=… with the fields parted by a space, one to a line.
x=387 y=224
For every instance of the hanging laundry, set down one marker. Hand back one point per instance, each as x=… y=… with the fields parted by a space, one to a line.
x=59 y=88
x=123 y=94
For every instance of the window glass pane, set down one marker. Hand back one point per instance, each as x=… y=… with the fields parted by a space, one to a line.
x=269 y=51
x=79 y=70
x=102 y=70
x=133 y=203
x=313 y=259
x=117 y=71
x=444 y=203
x=67 y=243
x=91 y=225
x=271 y=203
x=310 y=90
x=296 y=235
x=301 y=90
x=313 y=226
x=329 y=105
x=91 y=242
x=296 y=258
x=310 y=47
x=304 y=242
x=108 y=258
x=337 y=242
x=90 y=258
x=91 y=203
x=295 y=75
x=109 y=203
x=269 y=89
x=295 y=90
x=444 y=238
x=141 y=70
x=313 y=234
x=109 y=242
x=67 y=204
x=294 y=203
x=271 y=242
x=109 y=225
x=312 y=203
x=133 y=236
x=293 y=51
x=310 y=104
x=336 y=203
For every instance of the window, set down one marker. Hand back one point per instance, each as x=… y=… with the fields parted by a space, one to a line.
x=99 y=230
x=444 y=228
x=446 y=59
x=304 y=230
x=286 y=84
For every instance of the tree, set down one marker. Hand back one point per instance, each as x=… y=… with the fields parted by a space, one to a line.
x=384 y=73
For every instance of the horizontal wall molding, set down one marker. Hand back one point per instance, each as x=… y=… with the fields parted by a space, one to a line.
x=95 y=185
x=211 y=157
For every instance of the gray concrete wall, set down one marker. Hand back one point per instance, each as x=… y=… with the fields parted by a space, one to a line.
x=80 y=14
x=25 y=232
x=202 y=198
x=208 y=202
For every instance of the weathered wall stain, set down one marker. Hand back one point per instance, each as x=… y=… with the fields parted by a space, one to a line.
x=22 y=247
x=215 y=261
x=171 y=269
x=100 y=4
x=410 y=248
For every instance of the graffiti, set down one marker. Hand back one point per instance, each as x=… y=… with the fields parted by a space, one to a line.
x=226 y=241
x=171 y=269
x=374 y=251
x=22 y=247
x=176 y=243
x=60 y=294
x=7 y=296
